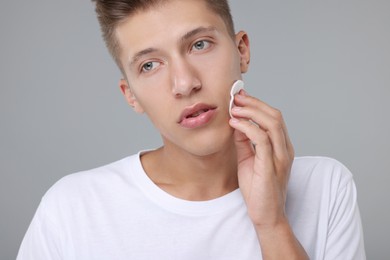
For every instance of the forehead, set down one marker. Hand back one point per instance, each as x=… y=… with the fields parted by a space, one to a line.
x=165 y=23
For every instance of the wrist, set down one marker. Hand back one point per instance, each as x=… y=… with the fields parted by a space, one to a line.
x=279 y=227
x=277 y=241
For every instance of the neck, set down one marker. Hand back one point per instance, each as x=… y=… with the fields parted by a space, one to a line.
x=192 y=177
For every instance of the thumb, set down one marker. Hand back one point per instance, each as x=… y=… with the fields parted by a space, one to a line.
x=244 y=146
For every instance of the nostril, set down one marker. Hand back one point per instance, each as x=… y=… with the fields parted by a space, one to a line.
x=178 y=95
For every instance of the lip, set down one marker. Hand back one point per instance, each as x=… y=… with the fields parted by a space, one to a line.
x=192 y=122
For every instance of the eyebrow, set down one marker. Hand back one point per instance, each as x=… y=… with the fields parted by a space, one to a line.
x=139 y=54
x=183 y=39
x=196 y=31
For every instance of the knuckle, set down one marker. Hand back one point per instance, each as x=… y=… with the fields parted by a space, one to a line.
x=292 y=153
x=277 y=125
x=277 y=114
x=263 y=139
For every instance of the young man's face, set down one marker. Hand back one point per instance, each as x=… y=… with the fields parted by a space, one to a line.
x=180 y=63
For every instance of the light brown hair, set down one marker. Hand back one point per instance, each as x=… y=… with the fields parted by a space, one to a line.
x=111 y=13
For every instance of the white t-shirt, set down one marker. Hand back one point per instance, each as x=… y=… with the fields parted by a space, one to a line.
x=117 y=212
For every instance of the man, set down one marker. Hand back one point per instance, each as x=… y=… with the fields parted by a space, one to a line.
x=219 y=187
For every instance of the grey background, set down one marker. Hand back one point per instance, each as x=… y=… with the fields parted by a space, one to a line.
x=325 y=64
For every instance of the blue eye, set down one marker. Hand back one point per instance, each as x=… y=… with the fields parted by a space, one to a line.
x=201 y=45
x=148 y=66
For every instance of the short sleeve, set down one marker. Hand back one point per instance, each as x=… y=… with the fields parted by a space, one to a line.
x=345 y=233
x=41 y=240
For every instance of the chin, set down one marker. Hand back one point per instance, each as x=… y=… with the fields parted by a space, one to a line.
x=210 y=143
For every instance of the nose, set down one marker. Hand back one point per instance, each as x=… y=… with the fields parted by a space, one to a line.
x=184 y=78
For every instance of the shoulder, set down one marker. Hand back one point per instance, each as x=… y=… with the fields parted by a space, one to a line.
x=104 y=173
x=322 y=169
x=316 y=179
x=85 y=186
x=323 y=194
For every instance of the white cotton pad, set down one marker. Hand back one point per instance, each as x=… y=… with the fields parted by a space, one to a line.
x=237 y=86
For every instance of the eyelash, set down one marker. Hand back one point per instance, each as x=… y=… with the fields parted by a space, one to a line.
x=207 y=45
x=143 y=70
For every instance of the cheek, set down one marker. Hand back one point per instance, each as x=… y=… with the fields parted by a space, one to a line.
x=151 y=104
x=235 y=66
x=156 y=106
x=151 y=93
x=221 y=65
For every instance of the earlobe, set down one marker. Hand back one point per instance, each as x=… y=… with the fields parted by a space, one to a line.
x=242 y=43
x=130 y=97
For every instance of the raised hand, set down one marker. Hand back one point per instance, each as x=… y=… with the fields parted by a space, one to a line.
x=265 y=155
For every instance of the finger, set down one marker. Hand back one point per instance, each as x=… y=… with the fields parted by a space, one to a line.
x=271 y=120
x=244 y=99
x=271 y=123
x=244 y=146
x=260 y=140
x=290 y=146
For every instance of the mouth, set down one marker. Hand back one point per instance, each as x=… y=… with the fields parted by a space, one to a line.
x=196 y=115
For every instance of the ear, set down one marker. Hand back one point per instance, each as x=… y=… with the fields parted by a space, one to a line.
x=242 y=43
x=130 y=97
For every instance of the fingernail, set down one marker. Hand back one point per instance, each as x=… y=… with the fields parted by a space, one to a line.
x=242 y=94
x=234 y=120
x=236 y=109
